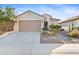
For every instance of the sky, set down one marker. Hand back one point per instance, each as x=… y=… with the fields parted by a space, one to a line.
x=60 y=11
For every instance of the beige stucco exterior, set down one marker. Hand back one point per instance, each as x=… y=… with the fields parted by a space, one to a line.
x=32 y=18
x=50 y=20
x=68 y=24
x=54 y=21
x=29 y=16
x=47 y=18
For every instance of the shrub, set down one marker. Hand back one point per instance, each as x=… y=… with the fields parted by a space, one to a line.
x=54 y=27
x=77 y=28
x=7 y=16
x=45 y=29
x=74 y=33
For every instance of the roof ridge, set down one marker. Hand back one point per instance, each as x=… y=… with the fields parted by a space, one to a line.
x=30 y=11
x=70 y=19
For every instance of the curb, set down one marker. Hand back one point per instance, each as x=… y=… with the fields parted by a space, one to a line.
x=5 y=34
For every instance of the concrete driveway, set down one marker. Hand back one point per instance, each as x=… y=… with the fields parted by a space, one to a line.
x=25 y=43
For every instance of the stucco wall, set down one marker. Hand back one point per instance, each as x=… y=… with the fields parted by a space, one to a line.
x=29 y=16
x=76 y=23
x=16 y=27
x=53 y=21
x=66 y=25
x=47 y=18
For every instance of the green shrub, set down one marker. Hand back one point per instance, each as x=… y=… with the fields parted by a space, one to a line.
x=45 y=29
x=77 y=28
x=44 y=32
x=54 y=27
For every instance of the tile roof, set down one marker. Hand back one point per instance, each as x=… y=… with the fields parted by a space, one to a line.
x=70 y=19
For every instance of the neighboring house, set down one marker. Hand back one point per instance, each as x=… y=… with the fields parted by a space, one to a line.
x=32 y=22
x=69 y=23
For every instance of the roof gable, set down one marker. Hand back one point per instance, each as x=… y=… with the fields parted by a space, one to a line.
x=30 y=15
x=55 y=19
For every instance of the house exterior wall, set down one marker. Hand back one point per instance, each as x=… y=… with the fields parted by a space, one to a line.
x=16 y=26
x=68 y=24
x=53 y=21
x=33 y=16
x=29 y=16
x=76 y=23
x=47 y=18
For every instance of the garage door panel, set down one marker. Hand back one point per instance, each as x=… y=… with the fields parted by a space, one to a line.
x=30 y=25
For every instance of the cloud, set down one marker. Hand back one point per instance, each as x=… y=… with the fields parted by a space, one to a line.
x=21 y=10
x=61 y=11
x=56 y=13
x=70 y=11
x=47 y=10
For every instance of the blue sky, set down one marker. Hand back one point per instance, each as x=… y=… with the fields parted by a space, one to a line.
x=61 y=11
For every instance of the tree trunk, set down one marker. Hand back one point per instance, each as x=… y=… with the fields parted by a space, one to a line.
x=10 y=26
x=7 y=26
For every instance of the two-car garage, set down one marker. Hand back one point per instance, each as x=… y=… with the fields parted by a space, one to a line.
x=30 y=25
x=29 y=22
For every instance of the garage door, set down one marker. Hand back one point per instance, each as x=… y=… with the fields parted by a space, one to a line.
x=30 y=26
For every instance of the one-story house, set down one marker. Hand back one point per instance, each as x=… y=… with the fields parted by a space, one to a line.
x=69 y=23
x=32 y=22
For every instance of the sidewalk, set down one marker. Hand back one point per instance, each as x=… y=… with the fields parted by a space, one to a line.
x=67 y=49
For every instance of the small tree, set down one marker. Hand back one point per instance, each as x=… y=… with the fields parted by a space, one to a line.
x=7 y=15
x=9 y=18
x=51 y=27
x=2 y=17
